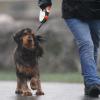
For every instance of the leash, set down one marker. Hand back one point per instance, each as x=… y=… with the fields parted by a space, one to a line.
x=39 y=27
x=42 y=23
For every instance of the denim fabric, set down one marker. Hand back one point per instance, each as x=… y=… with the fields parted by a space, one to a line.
x=87 y=35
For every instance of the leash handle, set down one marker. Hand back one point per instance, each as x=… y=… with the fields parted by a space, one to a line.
x=44 y=14
x=44 y=20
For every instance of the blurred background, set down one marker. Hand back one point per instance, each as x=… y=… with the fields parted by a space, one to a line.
x=60 y=61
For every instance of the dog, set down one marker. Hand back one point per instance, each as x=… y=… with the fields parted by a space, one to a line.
x=26 y=56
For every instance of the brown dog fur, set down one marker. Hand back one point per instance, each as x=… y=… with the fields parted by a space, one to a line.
x=26 y=60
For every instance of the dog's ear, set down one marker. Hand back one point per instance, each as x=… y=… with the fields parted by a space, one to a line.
x=38 y=41
x=17 y=36
x=39 y=38
x=39 y=51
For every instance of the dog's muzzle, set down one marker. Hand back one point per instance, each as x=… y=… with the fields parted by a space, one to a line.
x=30 y=39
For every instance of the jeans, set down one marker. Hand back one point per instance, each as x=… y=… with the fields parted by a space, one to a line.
x=87 y=36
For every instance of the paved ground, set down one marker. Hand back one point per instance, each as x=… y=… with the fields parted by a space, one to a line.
x=53 y=91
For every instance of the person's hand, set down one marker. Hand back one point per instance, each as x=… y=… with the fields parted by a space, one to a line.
x=44 y=14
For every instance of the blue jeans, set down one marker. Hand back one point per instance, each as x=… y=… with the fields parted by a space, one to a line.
x=87 y=36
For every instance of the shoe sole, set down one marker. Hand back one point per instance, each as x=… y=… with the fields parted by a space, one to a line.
x=94 y=92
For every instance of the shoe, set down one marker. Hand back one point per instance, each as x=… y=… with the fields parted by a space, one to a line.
x=92 y=91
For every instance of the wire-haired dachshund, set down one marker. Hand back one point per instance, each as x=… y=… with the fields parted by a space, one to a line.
x=26 y=56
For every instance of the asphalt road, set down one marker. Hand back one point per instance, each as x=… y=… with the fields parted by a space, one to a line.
x=53 y=91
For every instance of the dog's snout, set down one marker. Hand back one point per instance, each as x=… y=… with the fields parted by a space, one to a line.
x=30 y=38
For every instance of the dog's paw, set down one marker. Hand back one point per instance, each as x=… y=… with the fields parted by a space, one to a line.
x=39 y=93
x=26 y=93
x=18 y=92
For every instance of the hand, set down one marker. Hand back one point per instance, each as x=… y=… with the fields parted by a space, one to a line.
x=44 y=13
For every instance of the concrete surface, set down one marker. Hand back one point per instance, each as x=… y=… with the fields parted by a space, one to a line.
x=53 y=91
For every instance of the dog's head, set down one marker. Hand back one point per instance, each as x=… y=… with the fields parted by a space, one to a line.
x=25 y=37
x=28 y=39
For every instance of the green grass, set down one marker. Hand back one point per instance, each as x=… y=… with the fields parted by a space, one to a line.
x=7 y=75
x=46 y=77
x=58 y=77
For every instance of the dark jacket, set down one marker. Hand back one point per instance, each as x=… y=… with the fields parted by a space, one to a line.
x=82 y=9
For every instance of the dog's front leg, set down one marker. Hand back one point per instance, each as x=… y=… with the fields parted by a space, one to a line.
x=26 y=90
x=39 y=89
x=19 y=86
x=33 y=84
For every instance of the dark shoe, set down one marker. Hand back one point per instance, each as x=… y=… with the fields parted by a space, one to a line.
x=92 y=91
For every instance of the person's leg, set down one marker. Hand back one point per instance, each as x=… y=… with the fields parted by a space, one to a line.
x=95 y=33
x=82 y=34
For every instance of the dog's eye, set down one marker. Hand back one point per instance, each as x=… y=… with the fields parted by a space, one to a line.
x=33 y=34
x=25 y=33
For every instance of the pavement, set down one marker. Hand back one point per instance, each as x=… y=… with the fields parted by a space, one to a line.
x=53 y=91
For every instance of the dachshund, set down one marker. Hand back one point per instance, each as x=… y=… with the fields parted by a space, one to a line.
x=26 y=56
